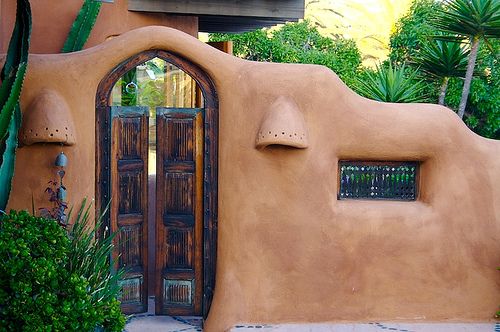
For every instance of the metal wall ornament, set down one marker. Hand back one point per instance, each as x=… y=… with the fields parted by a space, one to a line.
x=61 y=162
x=384 y=180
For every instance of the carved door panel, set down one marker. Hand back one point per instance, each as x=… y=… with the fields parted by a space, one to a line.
x=179 y=211
x=128 y=210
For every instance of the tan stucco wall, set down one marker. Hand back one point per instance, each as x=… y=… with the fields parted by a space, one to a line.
x=288 y=250
x=52 y=21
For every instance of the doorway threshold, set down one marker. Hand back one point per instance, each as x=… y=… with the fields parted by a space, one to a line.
x=149 y=322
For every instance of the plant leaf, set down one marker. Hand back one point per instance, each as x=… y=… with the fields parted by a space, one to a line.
x=12 y=93
x=14 y=69
x=8 y=158
x=82 y=26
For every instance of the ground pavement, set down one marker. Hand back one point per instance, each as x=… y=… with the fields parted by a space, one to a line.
x=148 y=322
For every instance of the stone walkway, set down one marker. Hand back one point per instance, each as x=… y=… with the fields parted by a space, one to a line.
x=148 y=322
x=373 y=327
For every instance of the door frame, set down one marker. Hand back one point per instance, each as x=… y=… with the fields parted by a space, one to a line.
x=210 y=158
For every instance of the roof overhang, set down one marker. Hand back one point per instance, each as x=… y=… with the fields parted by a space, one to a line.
x=227 y=15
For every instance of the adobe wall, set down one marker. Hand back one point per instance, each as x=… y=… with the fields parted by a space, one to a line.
x=288 y=250
x=52 y=22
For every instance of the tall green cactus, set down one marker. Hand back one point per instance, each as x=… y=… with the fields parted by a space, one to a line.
x=82 y=26
x=12 y=76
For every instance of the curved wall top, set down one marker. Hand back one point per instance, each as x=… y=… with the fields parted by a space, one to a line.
x=288 y=250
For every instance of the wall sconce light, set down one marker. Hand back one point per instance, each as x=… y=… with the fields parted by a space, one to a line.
x=106 y=1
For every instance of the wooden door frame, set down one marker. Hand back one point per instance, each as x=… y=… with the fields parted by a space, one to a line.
x=210 y=172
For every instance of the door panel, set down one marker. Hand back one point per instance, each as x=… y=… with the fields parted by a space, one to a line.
x=179 y=217
x=128 y=216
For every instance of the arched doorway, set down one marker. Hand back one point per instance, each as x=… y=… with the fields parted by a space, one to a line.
x=173 y=201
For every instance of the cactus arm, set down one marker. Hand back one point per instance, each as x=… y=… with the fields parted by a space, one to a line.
x=8 y=105
x=12 y=76
x=82 y=26
x=14 y=69
x=9 y=157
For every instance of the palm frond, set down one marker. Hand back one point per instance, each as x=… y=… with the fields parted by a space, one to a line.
x=441 y=58
x=392 y=84
x=469 y=18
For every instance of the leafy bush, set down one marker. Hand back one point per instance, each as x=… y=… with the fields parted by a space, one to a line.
x=482 y=114
x=412 y=31
x=88 y=257
x=37 y=292
x=391 y=84
x=41 y=287
x=297 y=43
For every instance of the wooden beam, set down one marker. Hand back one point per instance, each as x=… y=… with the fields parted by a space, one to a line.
x=231 y=24
x=224 y=46
x=279 y=9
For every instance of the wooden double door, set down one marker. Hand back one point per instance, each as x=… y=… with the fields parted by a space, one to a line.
x=184 y=193
x=179 y=207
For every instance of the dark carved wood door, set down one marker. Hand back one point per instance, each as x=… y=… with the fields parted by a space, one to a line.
x=128 y=210
x=179 y=211
x=186 y=193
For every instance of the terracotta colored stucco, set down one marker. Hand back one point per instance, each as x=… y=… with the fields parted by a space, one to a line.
x=52 y=21
x=288 y=250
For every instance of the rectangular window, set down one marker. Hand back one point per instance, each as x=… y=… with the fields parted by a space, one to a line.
x=390 y=180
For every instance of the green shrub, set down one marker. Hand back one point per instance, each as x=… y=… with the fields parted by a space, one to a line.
x=37 y=292
x=43 y=288
x=88 y=257
x=391 y=84
x=298 y=42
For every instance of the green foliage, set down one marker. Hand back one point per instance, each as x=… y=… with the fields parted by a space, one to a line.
x=7 y=165
x=151 y=93
x=129 y=88
x=483 y=108
x=12 y=77
x=37 y=292
x=474 y=20
x=391 y=84
x=82 y=26
x=297 y=43
x=88 y=257
x=412 y=31
x=439 y=58
x=482 y=114
x=43 y=286
x=469 y=18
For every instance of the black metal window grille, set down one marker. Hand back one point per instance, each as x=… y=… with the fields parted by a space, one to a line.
x=378 y=180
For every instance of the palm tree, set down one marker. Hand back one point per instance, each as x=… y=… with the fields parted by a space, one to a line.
x=391 y=84
x=474 y=19
x=442 y=60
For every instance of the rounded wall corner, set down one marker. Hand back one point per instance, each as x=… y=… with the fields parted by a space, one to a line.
x=283 y=124
x=47 y=120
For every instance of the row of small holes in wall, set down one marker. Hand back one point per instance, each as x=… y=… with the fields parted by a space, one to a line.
x=47 y=129
x=282 y=134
